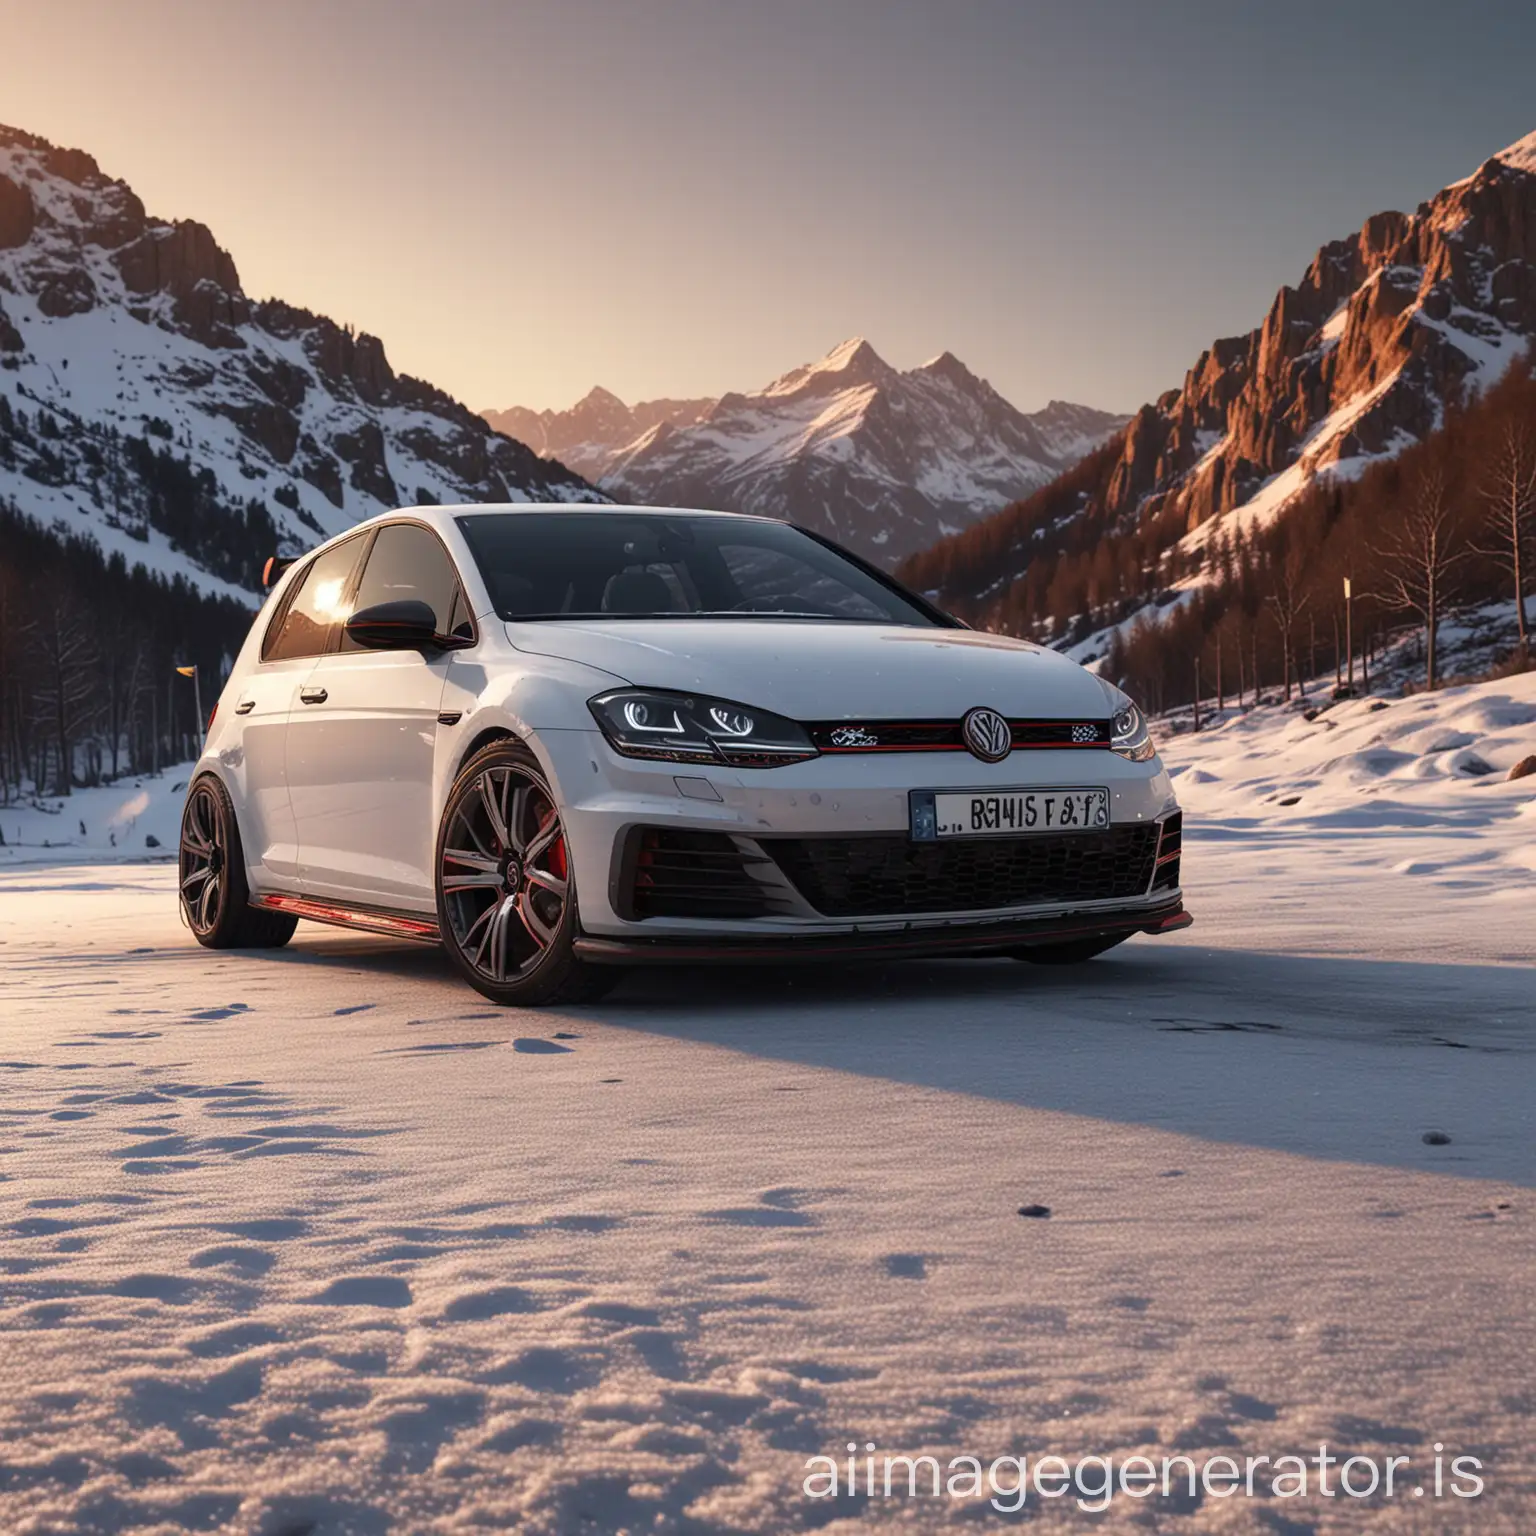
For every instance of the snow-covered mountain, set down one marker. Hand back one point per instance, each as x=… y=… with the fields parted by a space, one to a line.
x=147 y=401
x=1349 y=367
x=884 y=461
x=591 y=434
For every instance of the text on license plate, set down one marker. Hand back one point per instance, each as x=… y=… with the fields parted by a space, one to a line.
x=1014 y=813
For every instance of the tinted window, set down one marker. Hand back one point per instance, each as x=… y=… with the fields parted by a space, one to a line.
x=304 y=626
x=553 y=565
x=407 y=561
x=772 y=579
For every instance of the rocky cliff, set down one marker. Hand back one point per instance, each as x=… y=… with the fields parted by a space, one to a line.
x=147 y=401
x=1354 y=362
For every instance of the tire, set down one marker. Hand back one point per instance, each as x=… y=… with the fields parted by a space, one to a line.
x=214 y=895
x=1073 y=952
x=506 y=894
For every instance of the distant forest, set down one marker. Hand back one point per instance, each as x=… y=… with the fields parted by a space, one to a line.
x=1447 y=523
x=88 y=652
x=89 y=643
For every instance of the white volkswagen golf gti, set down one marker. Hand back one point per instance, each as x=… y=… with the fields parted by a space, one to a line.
x=564 y=740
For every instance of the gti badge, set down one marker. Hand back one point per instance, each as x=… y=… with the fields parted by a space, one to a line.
x=987 y=735
x=854 y=736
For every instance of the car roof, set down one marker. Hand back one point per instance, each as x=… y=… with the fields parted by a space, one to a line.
x=436 y=515
x=481 y=508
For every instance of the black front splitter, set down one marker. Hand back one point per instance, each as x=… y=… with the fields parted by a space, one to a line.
x=994 y=935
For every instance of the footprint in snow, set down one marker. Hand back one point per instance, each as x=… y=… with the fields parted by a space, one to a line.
x=235 y=1340
x=522 y=1433
x=167 y=1288
x=621 y=1313
x=544 y=1369
x=906 y=1266
x=531 y=1045
x=265 y=1229
x=355 y=1008
x=440 y=1045
x=364 y=1291
x=760 y=1216
x=245 y=1261
x=478 y=1306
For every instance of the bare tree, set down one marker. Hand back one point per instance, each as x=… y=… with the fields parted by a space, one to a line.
x=1509 y=497
x=1419 y=557
x=66 y=686
x=1287 y=597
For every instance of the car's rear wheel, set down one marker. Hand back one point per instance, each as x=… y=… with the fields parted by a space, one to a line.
x=1071 y=952
x=506 y=892
x=215 y=898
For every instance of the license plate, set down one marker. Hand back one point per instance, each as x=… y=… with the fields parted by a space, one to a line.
x=1007 y=812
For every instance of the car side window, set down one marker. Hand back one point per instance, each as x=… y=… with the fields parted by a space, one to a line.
x=303 y=627
x=408 y=561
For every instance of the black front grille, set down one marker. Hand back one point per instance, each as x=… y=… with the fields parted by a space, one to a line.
x=668 y=873
x=891 y=875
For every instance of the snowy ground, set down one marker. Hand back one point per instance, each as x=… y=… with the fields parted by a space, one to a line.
x=318 y=1241
x=135 y=819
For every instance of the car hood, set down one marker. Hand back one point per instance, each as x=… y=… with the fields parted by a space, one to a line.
x=812 y=671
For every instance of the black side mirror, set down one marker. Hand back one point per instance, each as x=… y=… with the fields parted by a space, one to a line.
x=406 y=625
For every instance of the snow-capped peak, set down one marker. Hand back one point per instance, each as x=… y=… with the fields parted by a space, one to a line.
x=850 y=364
x=1521 y=154
x=855 y=352
x=885 y=461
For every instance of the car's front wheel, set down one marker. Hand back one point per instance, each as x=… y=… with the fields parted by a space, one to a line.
x=506 y=893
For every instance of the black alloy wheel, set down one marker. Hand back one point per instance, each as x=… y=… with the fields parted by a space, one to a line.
x=215 y=898
x=506 y=895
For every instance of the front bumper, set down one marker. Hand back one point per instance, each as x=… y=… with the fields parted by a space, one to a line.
x=907 y=940
x=605 y=796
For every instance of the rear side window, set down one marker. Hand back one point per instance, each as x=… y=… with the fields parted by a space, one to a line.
x=304 y=624
x=408 y=561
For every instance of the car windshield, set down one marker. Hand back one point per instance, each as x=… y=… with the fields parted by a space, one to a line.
x=616 y=565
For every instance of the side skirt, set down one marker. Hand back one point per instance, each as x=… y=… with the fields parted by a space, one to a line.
x=394 y=925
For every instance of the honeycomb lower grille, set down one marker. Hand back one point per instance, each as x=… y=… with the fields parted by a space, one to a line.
x=891 y=875
x=667 y=873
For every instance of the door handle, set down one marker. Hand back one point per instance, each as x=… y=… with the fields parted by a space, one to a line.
x=313 y=695
x=245 y=706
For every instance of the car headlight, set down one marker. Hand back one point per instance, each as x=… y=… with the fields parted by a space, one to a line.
x=684 y=728
x=1129 y=735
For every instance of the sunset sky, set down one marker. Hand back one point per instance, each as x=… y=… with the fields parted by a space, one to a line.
x=686 y=196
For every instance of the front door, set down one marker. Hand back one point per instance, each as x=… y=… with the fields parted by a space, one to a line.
x=302 y=628
x=362 y=738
